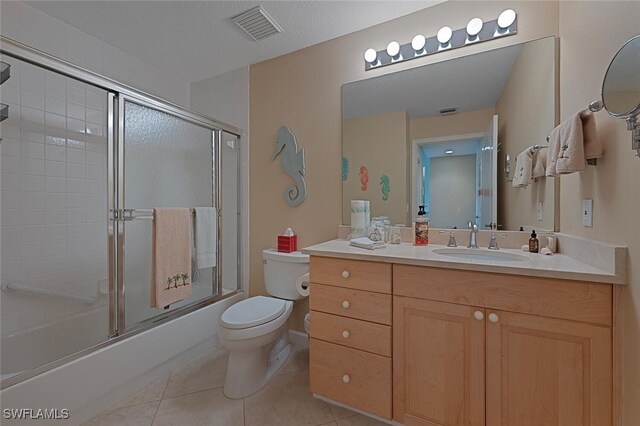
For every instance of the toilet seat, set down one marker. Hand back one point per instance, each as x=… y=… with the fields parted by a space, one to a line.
x=252 y=312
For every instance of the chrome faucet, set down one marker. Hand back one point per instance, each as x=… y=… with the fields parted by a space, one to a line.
x=473 y=235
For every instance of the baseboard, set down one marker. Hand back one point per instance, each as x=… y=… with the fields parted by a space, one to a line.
x=298 y=338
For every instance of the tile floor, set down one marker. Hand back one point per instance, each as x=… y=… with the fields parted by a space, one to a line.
x=192 y=395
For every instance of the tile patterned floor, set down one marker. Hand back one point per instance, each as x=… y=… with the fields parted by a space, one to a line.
x=192 y=395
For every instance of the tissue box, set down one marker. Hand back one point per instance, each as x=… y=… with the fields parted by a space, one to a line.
x=287 y=244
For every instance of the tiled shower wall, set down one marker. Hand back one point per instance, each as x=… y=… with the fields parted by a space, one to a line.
x=28 y=25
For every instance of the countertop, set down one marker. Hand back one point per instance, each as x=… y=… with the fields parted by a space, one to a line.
x=557 y=266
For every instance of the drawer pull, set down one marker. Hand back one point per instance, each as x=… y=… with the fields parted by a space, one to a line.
x=478 y=315
x=345 y=274
x=493 y=317
x=346 y=334
x=346 y=378
x=345 y=304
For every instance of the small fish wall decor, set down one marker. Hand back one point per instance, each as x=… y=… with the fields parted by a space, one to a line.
x=345 y=168
x=385 y=187
x=364 y=177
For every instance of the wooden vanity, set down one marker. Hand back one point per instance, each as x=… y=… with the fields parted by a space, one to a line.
x=423 y=345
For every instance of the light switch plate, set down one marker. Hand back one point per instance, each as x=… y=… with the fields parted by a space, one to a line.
x=587 y=212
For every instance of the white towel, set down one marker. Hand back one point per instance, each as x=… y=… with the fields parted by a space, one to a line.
x=524 y=168
x=539 y=164
x=366 y=243
x=205 y=236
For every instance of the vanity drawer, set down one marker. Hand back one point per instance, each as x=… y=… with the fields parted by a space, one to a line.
x=565 y=299
x=356 y=378
x=363 y=305
x=357 y=334
x=356 y=274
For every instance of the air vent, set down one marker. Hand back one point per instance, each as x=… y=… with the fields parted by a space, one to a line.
x=257 y=23
x=447 y=111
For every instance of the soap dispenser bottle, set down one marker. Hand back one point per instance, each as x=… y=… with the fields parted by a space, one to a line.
x=421 y=228
x=534 y=244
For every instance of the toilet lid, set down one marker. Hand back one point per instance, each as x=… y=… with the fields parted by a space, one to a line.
x=252 y=312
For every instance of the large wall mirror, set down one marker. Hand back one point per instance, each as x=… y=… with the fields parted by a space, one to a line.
x=438 y=135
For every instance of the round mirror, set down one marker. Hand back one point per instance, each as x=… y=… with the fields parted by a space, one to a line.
x=621 y=86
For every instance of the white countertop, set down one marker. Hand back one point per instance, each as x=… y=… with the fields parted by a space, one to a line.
x=556 y=266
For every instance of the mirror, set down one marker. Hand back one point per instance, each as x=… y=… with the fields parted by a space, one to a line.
x=621 y=85
x=437 y=135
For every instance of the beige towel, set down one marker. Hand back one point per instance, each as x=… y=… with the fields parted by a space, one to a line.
x=554 y=151
x=539 y=164
x=571 y=156
x=592 y=144
x=171 y=256
x=524 y=167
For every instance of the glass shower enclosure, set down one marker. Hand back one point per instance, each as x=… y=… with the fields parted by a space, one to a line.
x=84 y=161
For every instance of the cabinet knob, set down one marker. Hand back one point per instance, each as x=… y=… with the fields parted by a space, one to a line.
x=346 y=378
x=493 y=317
x=478 y=315
x=346 y=334
x=345 y=274
x=345 y=304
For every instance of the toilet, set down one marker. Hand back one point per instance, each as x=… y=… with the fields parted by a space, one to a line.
x=255 y=330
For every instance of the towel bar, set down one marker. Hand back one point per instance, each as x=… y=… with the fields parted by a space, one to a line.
x=141 y=214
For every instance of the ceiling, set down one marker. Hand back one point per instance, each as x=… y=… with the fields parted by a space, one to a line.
x=196 y=40
x=469 y=83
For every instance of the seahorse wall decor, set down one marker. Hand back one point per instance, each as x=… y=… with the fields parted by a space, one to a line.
x=345 y=168
x=364 y=177
x=385 y=186
x=292 y=163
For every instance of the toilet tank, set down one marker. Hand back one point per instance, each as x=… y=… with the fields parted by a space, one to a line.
x=281 y=270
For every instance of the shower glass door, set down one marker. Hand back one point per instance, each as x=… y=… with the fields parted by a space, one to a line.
x=168 y=161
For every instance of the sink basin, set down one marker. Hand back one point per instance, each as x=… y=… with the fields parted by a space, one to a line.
x=480 y=254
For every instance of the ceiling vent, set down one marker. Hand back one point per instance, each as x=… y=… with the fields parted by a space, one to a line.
x=448 y=111
x=257 y=23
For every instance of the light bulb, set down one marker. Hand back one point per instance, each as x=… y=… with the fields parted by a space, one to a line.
x=444 y=35
x=371 y=56
x=474 y=27
x=506 y=18
x=393 y=49
x=418 y=42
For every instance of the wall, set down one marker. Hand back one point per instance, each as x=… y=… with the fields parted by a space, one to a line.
x=451 y=125
x=526 y=115
x=302 y=90
x=226 y=98
x=613 y=184
x=453 y=190
x=378 y=142
x=34 y=28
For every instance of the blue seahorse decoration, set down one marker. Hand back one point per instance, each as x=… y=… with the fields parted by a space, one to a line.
x=386 y=187
x=345 y=168
x=292 y=163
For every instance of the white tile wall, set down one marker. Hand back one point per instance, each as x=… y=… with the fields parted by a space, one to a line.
x=53 y=203
x=25 y=24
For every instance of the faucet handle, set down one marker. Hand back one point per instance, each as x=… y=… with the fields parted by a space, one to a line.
x=493 y=244
x=452 y=240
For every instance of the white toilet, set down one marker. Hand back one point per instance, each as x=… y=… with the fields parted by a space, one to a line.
x=255 y=330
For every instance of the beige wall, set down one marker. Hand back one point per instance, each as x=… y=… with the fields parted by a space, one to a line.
x=590 y=35
x=451 y=125
x=378 y=142
x=303 y=91
x=526 y=115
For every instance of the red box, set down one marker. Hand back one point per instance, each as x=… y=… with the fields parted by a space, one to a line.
x=287 y=244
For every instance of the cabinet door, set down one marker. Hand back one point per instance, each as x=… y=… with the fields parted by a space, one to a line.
x=438 y=363
x=543 y=371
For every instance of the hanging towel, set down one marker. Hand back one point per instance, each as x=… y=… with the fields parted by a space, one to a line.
x=205 y=236
x=524 y=167
x=571 y=156
x=554 y=151
x=171 y=256
x=592 y=144
x=539 y=164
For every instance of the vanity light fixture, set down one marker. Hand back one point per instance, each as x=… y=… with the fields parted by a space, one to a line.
x=476 y=31
x=449 y=151
x=393 y=49
x=418 y=43
x=444 y=36
x=371 y=56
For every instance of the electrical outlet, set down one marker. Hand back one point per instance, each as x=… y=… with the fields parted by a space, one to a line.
x=587 y=212
x=539 y=212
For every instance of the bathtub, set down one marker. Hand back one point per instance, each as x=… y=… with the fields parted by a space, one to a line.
x=28 y=349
